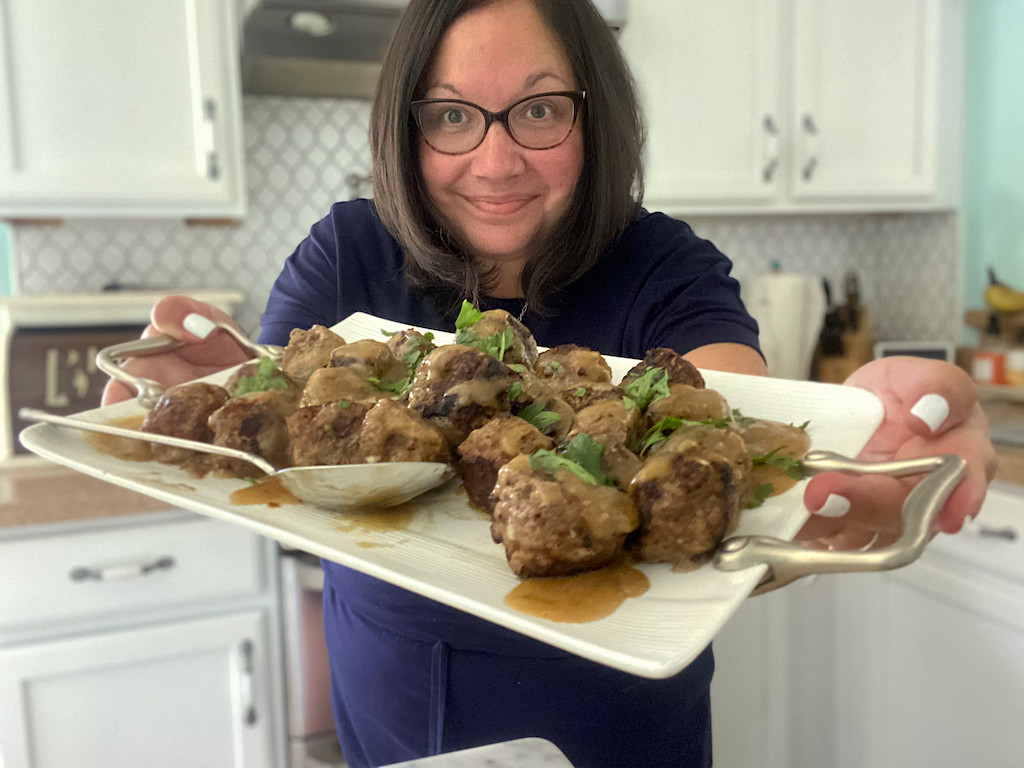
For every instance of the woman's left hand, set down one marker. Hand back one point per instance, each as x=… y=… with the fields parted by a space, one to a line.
x=931 y=408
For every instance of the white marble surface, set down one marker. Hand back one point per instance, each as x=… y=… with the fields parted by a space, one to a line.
x=520 y=753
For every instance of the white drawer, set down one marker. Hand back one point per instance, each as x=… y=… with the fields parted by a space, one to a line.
x=81 y=576
x=994 y=542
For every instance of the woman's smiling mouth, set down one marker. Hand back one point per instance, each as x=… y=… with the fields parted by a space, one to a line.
x=498 y=206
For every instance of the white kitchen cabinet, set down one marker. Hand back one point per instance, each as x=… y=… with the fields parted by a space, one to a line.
x=930 y=658
x=117 y=108
x=785 y=105
x=146 y=640
x=172 y=695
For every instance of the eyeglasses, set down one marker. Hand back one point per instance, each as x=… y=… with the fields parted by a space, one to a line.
x=541 y=121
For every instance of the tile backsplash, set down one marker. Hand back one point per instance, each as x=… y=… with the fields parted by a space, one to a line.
x=303 y=154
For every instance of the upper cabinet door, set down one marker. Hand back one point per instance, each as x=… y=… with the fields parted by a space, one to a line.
x=120 y=108
x=865 y=98
x=708 y=74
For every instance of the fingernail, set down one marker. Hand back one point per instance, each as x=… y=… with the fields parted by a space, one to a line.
x=834 y=506
x=933 y=410
x=198 y=325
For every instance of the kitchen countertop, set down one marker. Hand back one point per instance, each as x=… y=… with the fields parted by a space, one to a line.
x=34 y=491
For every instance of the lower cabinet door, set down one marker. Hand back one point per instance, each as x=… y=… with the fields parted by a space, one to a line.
x=183 y=694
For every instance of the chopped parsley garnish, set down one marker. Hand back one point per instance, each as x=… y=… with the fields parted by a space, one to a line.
x=515 y=391
x=468 y=315
x=266 y=376
x=580 y=391
x=792 y=467
x=536 y=414
x=644 y=390
x=666 y=426
x=494 y=345
x=418 y=348
x=581 y=456
x=761 y=494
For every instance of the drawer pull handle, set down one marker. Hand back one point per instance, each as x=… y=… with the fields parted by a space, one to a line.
x=121 y=572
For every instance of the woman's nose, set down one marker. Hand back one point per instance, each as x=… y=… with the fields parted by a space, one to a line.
x=498 y=154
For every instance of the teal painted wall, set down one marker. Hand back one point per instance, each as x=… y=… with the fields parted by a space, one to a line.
x=993 y=223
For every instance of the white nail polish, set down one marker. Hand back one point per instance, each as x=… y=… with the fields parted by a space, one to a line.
x=933 y=410
x=834 y=506
x=198 y=325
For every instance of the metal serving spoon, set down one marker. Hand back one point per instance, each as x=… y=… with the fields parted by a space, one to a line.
x=334 y=487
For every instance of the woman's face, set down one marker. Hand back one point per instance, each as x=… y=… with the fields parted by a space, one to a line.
x=500 y=198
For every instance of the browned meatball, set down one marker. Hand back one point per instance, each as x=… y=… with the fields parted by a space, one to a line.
x=410 y=346
x=253 y=423
x=570 y=365
x=499 y=332
x=458 y=388
x=614 y=426
x=183 y=412
x=331 y=385
x=557 y=524
x=489 y=448
x=690 y=403
x=689 y=495
x=308 y=350
x=541 y=405
x=581 y=394
x=326 y=434
x=679 y=369
x=259 y=375
x=370 y=359
x=392 y=432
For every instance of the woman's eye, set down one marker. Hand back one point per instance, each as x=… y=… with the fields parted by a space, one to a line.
x=452 y=116
x=538 y=111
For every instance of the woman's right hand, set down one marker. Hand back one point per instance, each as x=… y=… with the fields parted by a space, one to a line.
x=206 y=350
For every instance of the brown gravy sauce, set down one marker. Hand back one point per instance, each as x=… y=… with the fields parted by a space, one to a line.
x=580 y=598
x=266 y=490
x=121 y=447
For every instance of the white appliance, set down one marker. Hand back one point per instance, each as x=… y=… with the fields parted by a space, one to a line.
x=790 y=311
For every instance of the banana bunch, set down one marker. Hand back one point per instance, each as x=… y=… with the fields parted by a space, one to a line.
x=1002 y=297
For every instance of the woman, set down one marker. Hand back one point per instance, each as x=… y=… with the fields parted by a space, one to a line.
x=507 y=170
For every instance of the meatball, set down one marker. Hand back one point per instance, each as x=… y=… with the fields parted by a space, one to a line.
x=614 y=426
x=500 y=334
x=326 y=434
x=308 y=350
x=410 y=346
x=458 y=388
x=331 y=385
x=183 y=411
x=392 y=432
x=253 y=423
x=679 y=369
x=570 y=365
x=371 y=360
x=489 y=448
x=536 y=396
x=690 y=403
x=558 y=524
x=260 y=375
x=689 y=495
x=580 y=395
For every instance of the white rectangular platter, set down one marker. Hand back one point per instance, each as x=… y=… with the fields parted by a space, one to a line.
x=445 y=551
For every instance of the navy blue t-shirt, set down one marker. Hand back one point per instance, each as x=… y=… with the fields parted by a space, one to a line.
x=412 y=677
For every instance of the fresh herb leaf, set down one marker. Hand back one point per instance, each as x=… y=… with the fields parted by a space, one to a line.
x=644 y=390
x=740 y=420
x=586 y=451
x=515 y=391
x=536 y=414
x=468 y=315
x=659 y=433
x=266 y=376
x=549 y=461
x=792 y=467
x=580 y=391
x=761 y=494
x=494 y=345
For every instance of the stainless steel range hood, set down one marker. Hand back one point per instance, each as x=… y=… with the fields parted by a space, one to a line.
x=330 y=47
x=317 y=47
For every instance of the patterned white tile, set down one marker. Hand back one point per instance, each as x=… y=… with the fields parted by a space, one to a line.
x=304 y=154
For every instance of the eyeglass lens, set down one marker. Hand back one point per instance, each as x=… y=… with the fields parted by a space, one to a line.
x=455 y=127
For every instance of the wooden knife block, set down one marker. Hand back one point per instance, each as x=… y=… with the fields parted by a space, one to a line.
x=858 y=349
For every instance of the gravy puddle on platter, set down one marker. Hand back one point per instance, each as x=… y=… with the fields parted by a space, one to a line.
x=121 y=447
x=266 y=490
x=580 y=598
x=397 y=518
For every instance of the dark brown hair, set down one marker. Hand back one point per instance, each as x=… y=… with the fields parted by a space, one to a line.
x=607 y=194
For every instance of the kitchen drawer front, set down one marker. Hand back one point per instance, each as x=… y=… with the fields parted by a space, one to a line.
x=85 y=576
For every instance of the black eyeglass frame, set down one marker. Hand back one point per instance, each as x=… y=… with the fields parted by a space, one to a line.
x=490 y=118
